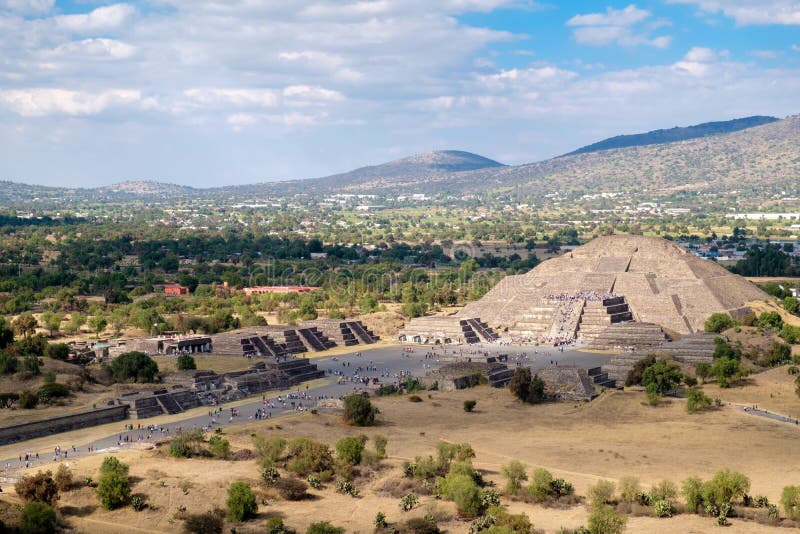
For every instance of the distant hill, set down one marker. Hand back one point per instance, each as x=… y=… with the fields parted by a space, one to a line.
x=677 y=133
x=391 y=175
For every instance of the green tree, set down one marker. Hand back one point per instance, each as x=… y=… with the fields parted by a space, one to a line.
x=790 y=501
x=97 y=323
x=727 y=370
x=514 y=473
x=791 y=305
x=6 y=334
x=718 y=322
x=349 y=450
x=601 y=493
x=696 y=400
x=185 y=362
x=37 y=518
x=8 y=363
x=525 y=387
x=241 y=502
x=113 y=487
x=51 y=322
x=664 y=376
x=25 y=324
x=604 y=520
x=134 y=366
x=359 y=411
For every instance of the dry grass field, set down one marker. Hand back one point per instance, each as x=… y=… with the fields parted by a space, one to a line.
x=616 y=435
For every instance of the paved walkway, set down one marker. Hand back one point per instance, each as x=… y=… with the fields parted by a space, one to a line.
x=346 y=374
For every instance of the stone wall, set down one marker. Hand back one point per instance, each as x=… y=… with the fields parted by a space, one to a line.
x=37 y=429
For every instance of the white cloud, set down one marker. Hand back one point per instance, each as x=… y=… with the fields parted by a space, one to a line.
x=101 y=18
x=700 y=54
x=764 y=54
x=264 y=98
x=615 y=26
x=796 y=48
x=27 y=7
x=97 y=48
x=752 y=12
x=42 y=102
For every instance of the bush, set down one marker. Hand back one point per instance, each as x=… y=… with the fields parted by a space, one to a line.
x=113 y=488
x=28 y=400
x=408 y=502
x=359 y=411
x=185 y=362
x=241 y=502
x=380 y=442
x=692 y=490
x=514 y=473
x=188 y=444
x=604 y=520
x=415 y=398
x=324 y=527
x=346 y=487
x=275 y=526
x=724 y=487
x=269 y=450
x=718 y=322
x=663 y=491
x=349 y=450
x=663 y=376
x=291 y=489
x=314 y=481
x=634 y=376
x=220 y=448
x=601 y=493
x=662 y=508
x=469 y=405
x=628 y=489
x=540 y=487
x=37 y=518
x=790 y=502
x=57 y=351
x=49 y=392
x=8 y=363
x=137 y=503
x=38 y=488
x=525 y=387
x=380 y=520
x=696 y=401
x=207 y=523
x=421 y=525
x=308 y=456
x=134 y=367
x=63 y=478
x=270 y=476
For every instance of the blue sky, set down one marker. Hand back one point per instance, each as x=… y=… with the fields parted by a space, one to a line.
x=212 y=92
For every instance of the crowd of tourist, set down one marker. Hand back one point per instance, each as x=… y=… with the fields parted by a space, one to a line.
x=592 y=296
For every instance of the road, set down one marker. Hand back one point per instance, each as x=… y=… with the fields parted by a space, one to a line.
x=388 y=364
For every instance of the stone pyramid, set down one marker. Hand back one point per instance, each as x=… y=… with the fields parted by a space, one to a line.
x=661 y=282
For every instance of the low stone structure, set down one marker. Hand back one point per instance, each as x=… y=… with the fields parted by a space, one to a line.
x=65 y=423
x=446 y=331
x=168 y=345
x=465 y=374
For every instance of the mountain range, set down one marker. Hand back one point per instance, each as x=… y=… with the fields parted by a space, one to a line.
x=760 y=154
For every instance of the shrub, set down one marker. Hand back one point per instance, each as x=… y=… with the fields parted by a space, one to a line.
x=601 y=493
x=134 y=367
x=137 y=503
x=269 y=450
x=634 y=376
x=220 y=448
x=790 y=501
x=628 y=489
x=38 y=488
x=421 y=525
x=380 y=442
x=718 y=322
x=653 y=396
x=692 y=490
x=324 y=527
x=275 y=526
x=489 y=497
x=380 y=520
x=63 y=478
x=408 y=502
x=604 y=520
x=662 y=508
x=207 y=523
x=308 y=456
x=349 y=450
x=188 y=444
x=525 y=387
x=359 y=411
x=724 y=487
x=314 y=481
x=185 y=362
x=663 y=375
x=37 y=518
x=514 y=473
x=346 y=487
x=270 y=476
x=49 y=392
x=663 y=491
x=696 y=401
x=8 y=363
x=463 y=490
x=469 y=405
x=28 y=400
x=241 y=502
x=113 y=488
x=415 y=398
x=291 y=489
x=540 y=487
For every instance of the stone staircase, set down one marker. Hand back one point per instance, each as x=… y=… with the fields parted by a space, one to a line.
x=692 y=348
x=315 y=340
x=445 y=331
x=641 y=337
x=499 y=375
x=299 y=370
x=536 y=322
x=482 y=330
x=601 y=379
x=566 y=320
x=362 y=332
x=169 y=404
x=597 y=316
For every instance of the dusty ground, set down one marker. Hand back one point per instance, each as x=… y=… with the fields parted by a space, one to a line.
x=613 y=436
